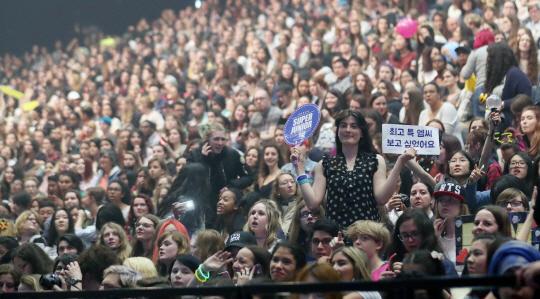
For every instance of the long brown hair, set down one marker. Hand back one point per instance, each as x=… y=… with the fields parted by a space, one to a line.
x=416 y=105
x=532 y=59
x=534 y=144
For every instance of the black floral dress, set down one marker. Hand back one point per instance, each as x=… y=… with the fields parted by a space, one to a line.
x=350 y=193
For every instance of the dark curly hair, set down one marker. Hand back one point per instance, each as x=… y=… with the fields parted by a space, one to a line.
x=500 y=60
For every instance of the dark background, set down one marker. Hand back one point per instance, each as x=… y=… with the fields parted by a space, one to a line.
x=24 y=23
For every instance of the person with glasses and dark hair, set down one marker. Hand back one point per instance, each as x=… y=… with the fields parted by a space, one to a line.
x=301 y=224
x=31 y=259
x=69 y=243
x=414 y=230
x=141 y=243
x=322 y=233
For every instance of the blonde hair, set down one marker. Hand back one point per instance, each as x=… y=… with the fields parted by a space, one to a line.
x=375 y=230
x=124 y=249
x=143 y=265
x=513 y=193
x=360 y=261
x=31 y=282
x=209 y=242
x=21 y=220
x=272 y=226
x=206 y=130
x=158 y=192
x=275 y=196
x=463 y=210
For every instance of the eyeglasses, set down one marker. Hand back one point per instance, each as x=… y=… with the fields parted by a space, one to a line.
x=145 y=225
x=31 y=219
x=514 y=204
x=306 y=214
x=325 y=242
x=285 y=183
x=516 y=164
x=405 y=237
x=114 y=189
x=460 y=162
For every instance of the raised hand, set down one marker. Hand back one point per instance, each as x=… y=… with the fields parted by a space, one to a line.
x=439 y=225
x=409 y=154
x=217 y=261
x=337 y=242
x=178 y=210
x=244 y=276
x=301 y=160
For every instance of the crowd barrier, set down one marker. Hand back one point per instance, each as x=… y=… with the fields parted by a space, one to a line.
x=393 y=287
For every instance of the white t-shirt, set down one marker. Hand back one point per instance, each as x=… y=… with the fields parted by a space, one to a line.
x=448 y=116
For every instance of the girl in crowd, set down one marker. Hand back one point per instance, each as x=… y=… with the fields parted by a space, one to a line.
x=301 y=224
x=131 y=161
x=530 y=127
x=353 y=264
x=316 y=272
x=191 y=184
x=120 y=195
x=414 y=230
x=141 y=205
x=491 y=219
x=27 y=227
x=438 y=109
x=269 y=169
x=183 y=270
x=286 y=193
x=31 y=259
x=84 y=169
x=379 y=103
x=354 y=150
x=513 y=200
x=413 y=105
x=448 y=205
x=170 y=244
x=62 y=225
x=229 y=216
x=334 y=103
x=521 y=166
x=253 y=159
x=114 y=237
x=287 y=260
x=207 y=244
x=72 y=198
x=142 y=243
x=10 y=276
x=264 y=223
x=372 y=238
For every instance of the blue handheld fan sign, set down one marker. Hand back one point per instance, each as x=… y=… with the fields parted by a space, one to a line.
x=301 y=124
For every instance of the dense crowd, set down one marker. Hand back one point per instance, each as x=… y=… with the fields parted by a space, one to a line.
x=158 y=158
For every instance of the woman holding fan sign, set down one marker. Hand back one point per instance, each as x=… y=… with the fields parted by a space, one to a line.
x=355 y=179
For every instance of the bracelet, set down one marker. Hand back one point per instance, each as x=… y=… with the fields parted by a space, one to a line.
x=301 y=177
x=202 y=273
x=198 y=278
x=304 y=181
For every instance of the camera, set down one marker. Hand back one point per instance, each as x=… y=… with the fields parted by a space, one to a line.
x=47 y=281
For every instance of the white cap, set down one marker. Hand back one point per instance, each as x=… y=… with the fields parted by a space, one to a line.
x=73 y=95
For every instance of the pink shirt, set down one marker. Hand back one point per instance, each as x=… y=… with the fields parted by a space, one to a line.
x=376 y=275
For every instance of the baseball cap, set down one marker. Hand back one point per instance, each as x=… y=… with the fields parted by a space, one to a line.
x=452 y=189
x=240 y=239
x=73 y=95
x=465 y=49
x=511 y=255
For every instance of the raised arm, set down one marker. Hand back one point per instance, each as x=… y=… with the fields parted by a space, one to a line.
x=418 y=171
x=523 y=234
x=488 y=145
x=313 y=196
x=383 y=187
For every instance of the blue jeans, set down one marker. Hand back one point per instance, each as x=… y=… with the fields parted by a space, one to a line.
x=479 y=109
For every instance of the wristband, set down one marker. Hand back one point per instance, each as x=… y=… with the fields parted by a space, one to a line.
x=304 y=181
x=198 y=278
x=202 y=273
x=301 y=177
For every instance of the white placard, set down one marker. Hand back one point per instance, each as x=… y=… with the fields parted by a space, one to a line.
x=397 y=138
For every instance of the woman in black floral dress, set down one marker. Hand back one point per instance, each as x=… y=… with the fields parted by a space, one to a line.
x=355 y=179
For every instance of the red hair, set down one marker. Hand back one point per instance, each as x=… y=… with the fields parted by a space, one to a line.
x=88 y=172
x=179 y=227
x=149 y=204
x=484 y=38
